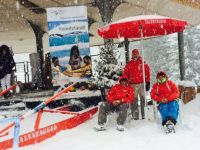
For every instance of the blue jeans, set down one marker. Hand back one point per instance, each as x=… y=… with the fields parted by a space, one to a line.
x=169 y=110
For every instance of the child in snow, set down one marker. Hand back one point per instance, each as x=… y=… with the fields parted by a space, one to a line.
x=166 y=94
x=119 y=97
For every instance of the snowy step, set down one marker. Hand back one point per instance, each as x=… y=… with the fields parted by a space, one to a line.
x=80 y=94
x=13 y=110
x=7 y=102
x=13 y=107
x=36 y=94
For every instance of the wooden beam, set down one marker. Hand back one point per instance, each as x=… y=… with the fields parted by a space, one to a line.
x=32 y=6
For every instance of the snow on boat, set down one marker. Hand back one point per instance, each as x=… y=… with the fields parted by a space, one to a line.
x=39 y=134
x=48 y=122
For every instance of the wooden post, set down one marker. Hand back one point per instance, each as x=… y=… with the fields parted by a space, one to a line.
x=181 y=55
x=126 y=44
x=38 y=35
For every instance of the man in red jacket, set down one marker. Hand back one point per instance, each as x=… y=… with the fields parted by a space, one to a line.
x=134 y=72
x=166 y=93
x=119 y=97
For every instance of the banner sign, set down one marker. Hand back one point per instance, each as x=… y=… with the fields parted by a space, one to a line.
x=69 y=44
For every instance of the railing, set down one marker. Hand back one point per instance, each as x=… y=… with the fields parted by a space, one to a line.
x=23 y=72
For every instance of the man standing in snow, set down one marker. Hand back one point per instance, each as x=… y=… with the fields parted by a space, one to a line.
x=134 y=72
x=118 y=99
x=166 y=93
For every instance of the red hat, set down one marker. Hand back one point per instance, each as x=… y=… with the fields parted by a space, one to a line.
x=135 y=51
x=161 y=73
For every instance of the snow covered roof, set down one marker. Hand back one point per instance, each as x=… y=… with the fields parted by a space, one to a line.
x=15 y=31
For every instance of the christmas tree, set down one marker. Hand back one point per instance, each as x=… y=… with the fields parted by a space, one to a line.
x=107 y=71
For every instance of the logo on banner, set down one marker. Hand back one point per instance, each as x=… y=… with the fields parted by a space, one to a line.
x=57 y=12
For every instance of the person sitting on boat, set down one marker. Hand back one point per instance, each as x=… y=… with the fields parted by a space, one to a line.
x=166 y=94
x=118 y=99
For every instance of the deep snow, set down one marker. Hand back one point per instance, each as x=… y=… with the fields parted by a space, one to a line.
x=139 y=135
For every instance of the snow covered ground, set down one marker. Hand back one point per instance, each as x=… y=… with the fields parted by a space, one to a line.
x=139 y=135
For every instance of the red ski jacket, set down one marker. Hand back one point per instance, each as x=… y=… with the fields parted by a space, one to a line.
x=166 y=90
x=119 y=92
x=133 y=71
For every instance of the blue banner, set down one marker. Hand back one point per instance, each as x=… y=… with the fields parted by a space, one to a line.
x=69 y=44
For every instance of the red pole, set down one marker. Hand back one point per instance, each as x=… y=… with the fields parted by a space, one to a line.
x=36 y=109
x=10 y=88
x=37 y=122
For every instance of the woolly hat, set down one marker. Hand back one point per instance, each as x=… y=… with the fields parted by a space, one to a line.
x=135 y=51
x=161 y=73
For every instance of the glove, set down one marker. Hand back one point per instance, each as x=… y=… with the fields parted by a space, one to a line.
x=147 y=86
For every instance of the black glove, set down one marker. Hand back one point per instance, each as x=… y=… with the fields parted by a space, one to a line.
x=147 y=86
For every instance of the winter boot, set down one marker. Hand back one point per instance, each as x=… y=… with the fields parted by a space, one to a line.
x=120 y=128
x=169 y=127
x=100 y=127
